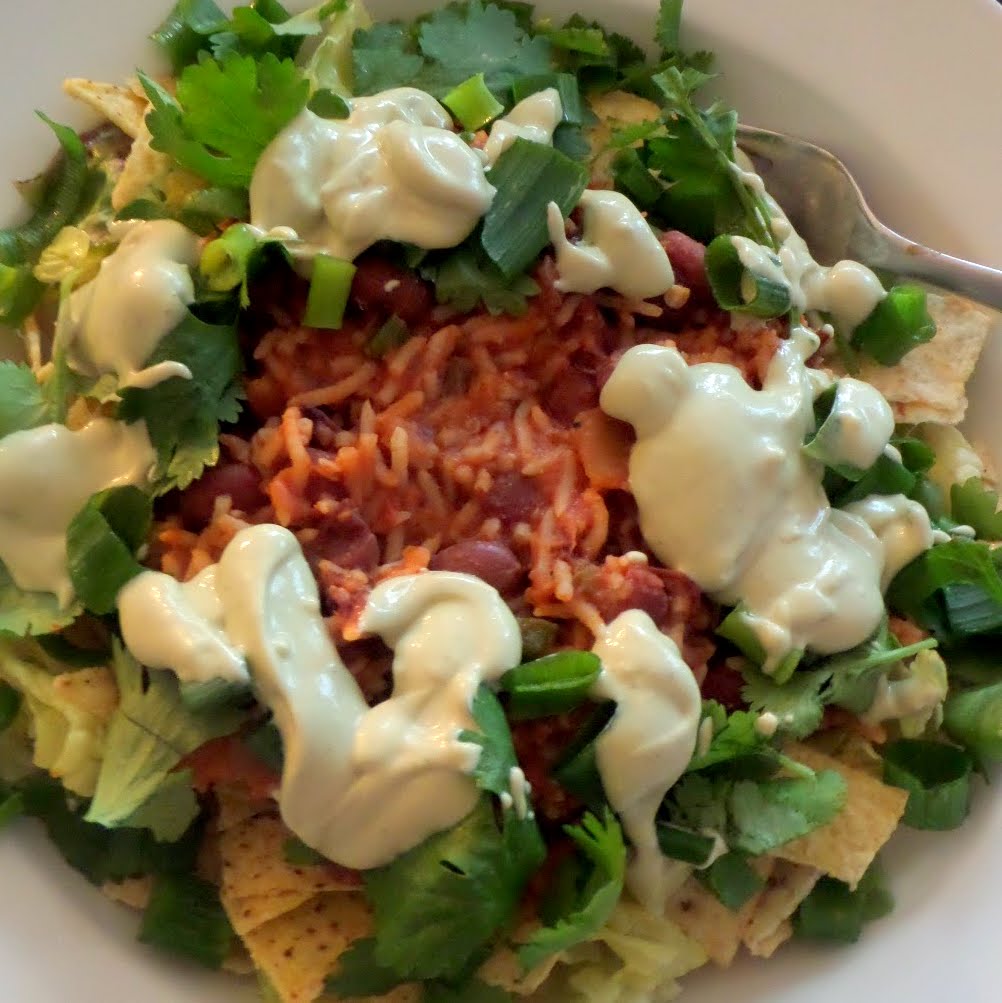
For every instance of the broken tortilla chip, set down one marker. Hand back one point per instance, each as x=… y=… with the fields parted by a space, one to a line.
x=119 y=105
x=144 y=168
x=769 y=924
x=297 y=951
x=615 y=109
x=254 y=864
x=928 y=384
x=845 y=848
x=704 y=918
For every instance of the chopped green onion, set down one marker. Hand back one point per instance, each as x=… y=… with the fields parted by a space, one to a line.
x=575 y=111
x=736 y=628
x=972 y=504
x=60 y=202
x=186 y=30
x=473 y=104
x=550 y=685
x=897 y=324
x=885 y=477
x=528 y=177
x=684 y=844
x=58 y=647
x=633 y=178
x=538 y=636
x=10 y=704
x=974 y=719
x=223 y=265
x=329 y=289
x=578 y=771
x=937 y=778
x=11 y=808
x=391 y=335
x=100 y=544
x=732 y=879
x=297 y=854
x=589 y=41
x=832 y=912
x=185 y=917
x=736 y=288
x=327 y=104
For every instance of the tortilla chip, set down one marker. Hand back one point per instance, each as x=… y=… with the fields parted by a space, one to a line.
x=234 y=805
x=614 y=109
x=144 y=168
x=845 y=848
x=132 y=892
x=119 y=105
x=248 y=912
x=297 y=951
x=254 y=865
x=928 y=384
x=703 y=917
x=768 y=926
x=503 y=969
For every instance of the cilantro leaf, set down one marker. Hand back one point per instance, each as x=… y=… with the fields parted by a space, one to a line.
x=383 y=57
x=102 y=854
x=149 y=734
x=225 y=114
x=472 y=991
x=169 y=810
x=22 y=400
x=757 y=816
x=186 y=29
x=358 y=973
x=186 y=917
x=972 y=504
x=183 y=416
x=24 y=613
x=438 y=905
x=770 y=813
x=735 y=737
x=601 y=844
x=797 y=703
x=481 y=38
x=668 y=23
x=497 y=753
x=466 y=277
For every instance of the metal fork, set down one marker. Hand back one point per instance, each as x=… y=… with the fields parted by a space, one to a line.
x=826 y=206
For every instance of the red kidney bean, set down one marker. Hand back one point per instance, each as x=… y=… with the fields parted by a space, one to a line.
x=380 y=285
x=512 y=498
x=570 y=394
x=239 y=481
x=492 y=562
x=686 y=257
x=347 y=542
x=643 y=590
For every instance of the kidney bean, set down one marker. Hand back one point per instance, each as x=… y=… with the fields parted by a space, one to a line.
x=380 y=285
x=345 y=541
x=239 y=481
x=686 y=257
x=570 y=394
x=512 y=498
x=492 y=562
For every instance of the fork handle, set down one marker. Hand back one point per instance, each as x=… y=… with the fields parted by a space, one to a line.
x=966 y=278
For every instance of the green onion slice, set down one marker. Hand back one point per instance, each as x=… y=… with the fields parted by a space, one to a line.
x=327 y=104
x=732 y=879
x=684 y=844
x=223 y=265
x=937 y=778
x=737 y=288
x=974 y=719
x=329 y=289
x=550 y=685
x=391 y=335
x=897 y=324
x=566 y=85
x=736 y=628
x=473 y=104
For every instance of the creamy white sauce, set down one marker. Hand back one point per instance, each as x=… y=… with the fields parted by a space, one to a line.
x=900 y=524
x=766 y=724
x=617 y=249
x=393 y=170
x=648 y=743
x=860 y=424
x=847 y=290
x=181 y=626
x=726 y=496
x=535 y=118
x=48 y=473
x=360 y=785
x=919 y=692
x=141 y=293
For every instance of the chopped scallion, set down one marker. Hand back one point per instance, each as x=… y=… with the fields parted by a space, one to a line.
x=473 y=104
x=834 y=913
x=897 y=324
x=391 y=335
x=329 y=290
x=327 y=104
x=575 y=111
x=550 y=685
x=528 y=177
x=684 y=844
x=937 y=778
x=736 y=288
x=974 y=719
x=223 y=265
